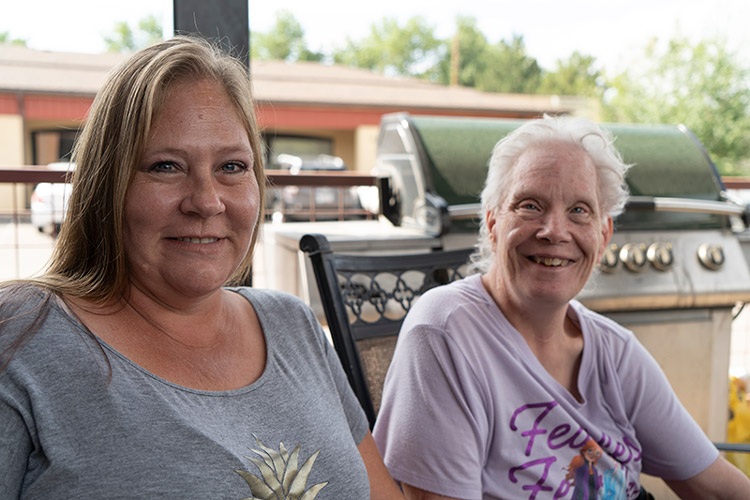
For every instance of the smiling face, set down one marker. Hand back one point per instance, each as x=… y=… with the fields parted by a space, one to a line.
x=193 y=203
x=548 y=233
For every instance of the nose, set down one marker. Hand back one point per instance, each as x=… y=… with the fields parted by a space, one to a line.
x=554 y=227
x=203 y=197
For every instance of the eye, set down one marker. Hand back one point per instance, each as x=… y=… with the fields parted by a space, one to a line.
x=529 y=205
x=580 y=210
x=233 y=167
x=163 y=166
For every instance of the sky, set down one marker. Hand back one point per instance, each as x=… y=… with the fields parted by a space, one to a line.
x=614 y=31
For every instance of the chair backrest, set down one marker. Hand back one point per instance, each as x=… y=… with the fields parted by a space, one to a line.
x=365 y=299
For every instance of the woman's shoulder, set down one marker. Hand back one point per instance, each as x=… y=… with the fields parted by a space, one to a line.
x=445 y=300
x=19 y=298
x=279 y=311
x=30 y=316
x=270 y=298
x=444 y=311
x=462 y=290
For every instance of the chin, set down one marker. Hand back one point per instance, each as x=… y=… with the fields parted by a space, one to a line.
x=201 y=285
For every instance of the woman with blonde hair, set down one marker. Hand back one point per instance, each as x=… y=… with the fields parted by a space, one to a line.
x=134 y=366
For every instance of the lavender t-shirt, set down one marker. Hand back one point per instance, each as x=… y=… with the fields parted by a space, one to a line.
x=469 y=412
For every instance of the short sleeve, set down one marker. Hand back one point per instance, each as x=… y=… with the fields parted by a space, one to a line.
x=673 y=445
x=432 y=420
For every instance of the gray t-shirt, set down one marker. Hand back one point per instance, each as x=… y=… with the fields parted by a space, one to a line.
x=468 y=410
x=69 y=431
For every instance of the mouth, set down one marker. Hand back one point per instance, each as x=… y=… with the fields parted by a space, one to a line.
x=199 y=241
x=550 y=261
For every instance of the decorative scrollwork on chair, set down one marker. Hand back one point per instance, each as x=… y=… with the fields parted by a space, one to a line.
x=365 y=299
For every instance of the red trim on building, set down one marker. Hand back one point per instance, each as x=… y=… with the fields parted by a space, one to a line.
x=9 y=104
x=75 y=108
x=275 y=116
x=349 y=118
x=47 y=107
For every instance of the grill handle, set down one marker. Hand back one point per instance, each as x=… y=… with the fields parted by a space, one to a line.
x=467 y=211
x=662 y=204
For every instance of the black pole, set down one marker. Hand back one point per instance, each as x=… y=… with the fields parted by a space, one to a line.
x=225 y=21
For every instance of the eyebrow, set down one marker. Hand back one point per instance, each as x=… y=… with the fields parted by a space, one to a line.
x=223 y=150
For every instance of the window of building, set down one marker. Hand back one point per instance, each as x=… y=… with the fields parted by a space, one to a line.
x=296 y=145
x=49 y=146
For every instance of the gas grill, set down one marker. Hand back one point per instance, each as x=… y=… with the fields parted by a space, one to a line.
x=674 y=269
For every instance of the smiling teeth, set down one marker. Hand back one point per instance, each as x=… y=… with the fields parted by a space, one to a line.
x=551 y=261
x=198 y=240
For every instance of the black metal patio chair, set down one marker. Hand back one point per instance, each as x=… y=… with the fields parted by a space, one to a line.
x=365 y=299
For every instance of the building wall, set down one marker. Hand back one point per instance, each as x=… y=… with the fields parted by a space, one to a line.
x=365 y=145
x=11 y=154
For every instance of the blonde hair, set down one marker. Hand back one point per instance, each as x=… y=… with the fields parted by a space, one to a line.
x=89 y=258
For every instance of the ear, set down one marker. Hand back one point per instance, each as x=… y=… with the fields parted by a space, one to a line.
x=607 y=230
x=491 y=219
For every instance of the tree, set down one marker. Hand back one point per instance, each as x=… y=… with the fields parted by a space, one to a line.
x=511 y=69
x=5 y=39
x=411 y=50
x=503 y=67
x=285 y=41
x=124 y=39
x=471 y=47
x=701 y=85
x=577 y=75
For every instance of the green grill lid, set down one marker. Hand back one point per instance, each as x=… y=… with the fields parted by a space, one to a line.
x=668 y=161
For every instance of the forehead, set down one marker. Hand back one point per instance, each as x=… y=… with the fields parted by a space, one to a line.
x=192 y=106
x=184 y=95
x=552 y=166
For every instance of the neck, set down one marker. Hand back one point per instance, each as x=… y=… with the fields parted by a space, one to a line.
x=198 y=324
x=541 y=325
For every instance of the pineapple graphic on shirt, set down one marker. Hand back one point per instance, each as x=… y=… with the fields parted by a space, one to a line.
x=281 y=476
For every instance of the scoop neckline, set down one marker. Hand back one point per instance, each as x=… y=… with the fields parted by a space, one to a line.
x=65 y=309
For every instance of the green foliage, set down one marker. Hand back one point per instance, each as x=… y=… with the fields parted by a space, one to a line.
x=511 y=69
x=410 y=50
x=125 y=39
x=285 y=41
x=577 y=75
x=471 y=47
x=701 y=85
x=5 y=39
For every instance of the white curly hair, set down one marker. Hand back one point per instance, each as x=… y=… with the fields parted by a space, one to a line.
x=596 y=142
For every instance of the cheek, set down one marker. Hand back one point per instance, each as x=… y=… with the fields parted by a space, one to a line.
x=250 y=200
x=244 y=204
x=144 y=209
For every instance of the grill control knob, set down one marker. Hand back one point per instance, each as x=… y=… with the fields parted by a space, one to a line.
x=633 y=255
x=711 y=256
x=609 y=261
x=660 y=256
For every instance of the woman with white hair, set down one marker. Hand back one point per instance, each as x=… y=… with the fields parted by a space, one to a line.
x=500 y=380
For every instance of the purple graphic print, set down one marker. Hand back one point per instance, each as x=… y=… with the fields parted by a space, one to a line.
x=591 y=458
